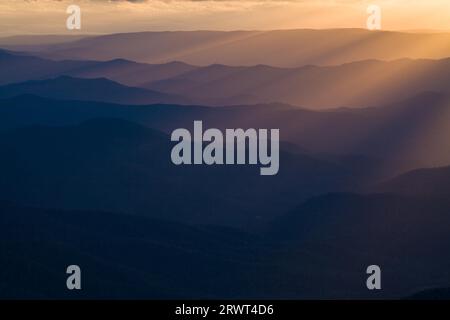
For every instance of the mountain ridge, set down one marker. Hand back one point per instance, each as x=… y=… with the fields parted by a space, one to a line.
x=282 y=47
x=93 y=89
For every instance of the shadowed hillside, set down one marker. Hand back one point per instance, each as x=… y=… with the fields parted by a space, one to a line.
x=431 y=181
x=320 y=250
x=406 y=236
x=116 y=165
x=408 y=135
x=101 y=89
x=123 y=256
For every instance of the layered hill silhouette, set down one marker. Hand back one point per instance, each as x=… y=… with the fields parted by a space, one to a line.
x=283 y=48
x=20 y=67
x=429 y=181
x=410 y=134
x=24 y=42
x=86 y=174
x=319 y=250
x=359 y=84
x=116 y=165
x=131 y=256
x=100 y=89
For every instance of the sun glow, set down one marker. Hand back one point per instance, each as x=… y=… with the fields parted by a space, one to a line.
x=48 y=16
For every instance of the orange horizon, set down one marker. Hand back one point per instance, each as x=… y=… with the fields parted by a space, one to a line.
x=20 y=17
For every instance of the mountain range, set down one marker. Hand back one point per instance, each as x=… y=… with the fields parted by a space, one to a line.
x=313 y=87
x=99 y=89
x=318 y=250
x=124 y=167
x=281 y=48
x=86 y=174
x=380 y=132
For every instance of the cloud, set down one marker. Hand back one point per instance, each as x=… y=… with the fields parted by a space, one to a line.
x=109 y=16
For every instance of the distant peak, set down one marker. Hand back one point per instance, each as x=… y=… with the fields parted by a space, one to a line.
x=121 y=61
x=5 y=53
x=75 y=79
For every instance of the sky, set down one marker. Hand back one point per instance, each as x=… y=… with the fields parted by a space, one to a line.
x=112 y=16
